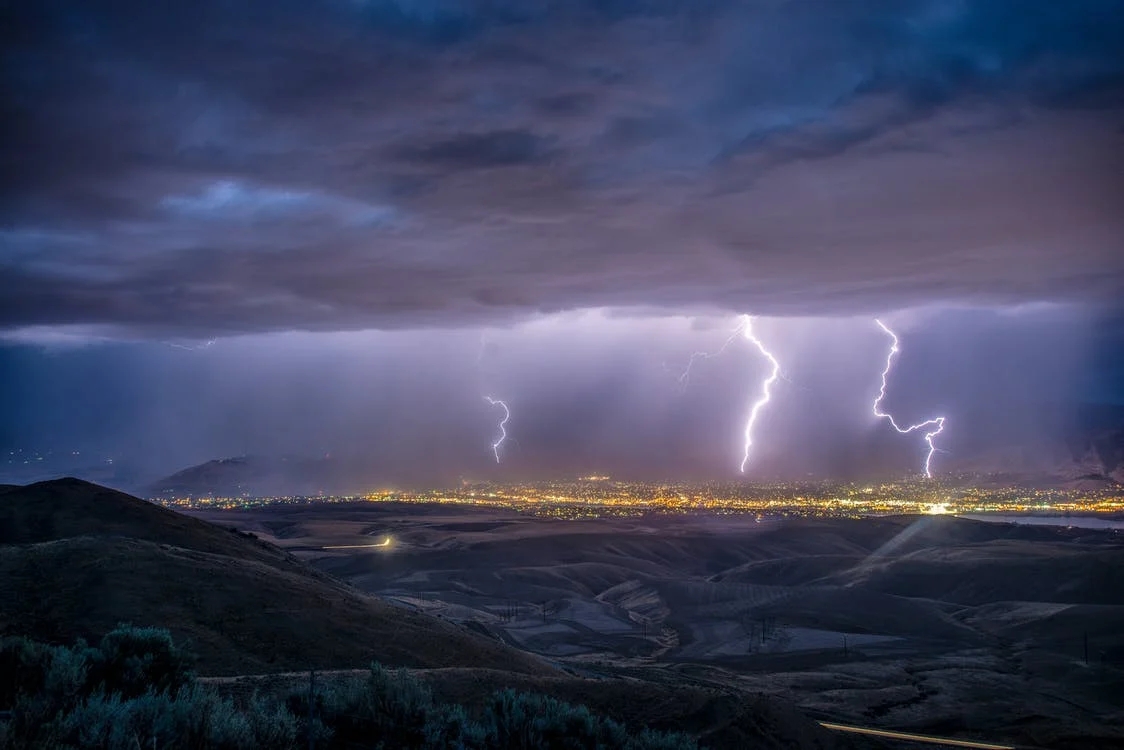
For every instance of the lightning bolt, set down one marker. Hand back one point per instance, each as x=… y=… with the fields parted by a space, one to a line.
x=685 y=376
x=935 y=422
x=503 y=424
x=194 y=348
x=746 y=328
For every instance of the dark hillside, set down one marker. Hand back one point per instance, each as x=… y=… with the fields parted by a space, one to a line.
x=79 y=559
x=66 y=508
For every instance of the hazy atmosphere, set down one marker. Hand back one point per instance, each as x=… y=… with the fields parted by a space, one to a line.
x=588 y=392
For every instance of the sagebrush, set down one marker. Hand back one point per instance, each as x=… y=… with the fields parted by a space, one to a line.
x=136 y=689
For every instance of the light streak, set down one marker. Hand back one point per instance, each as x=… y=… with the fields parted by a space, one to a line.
x=383 y=543
x=503 y=424
x=935 y=422
x=910 y=737
x=746 y=329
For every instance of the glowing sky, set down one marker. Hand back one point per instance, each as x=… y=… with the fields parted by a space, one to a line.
x=243 y=172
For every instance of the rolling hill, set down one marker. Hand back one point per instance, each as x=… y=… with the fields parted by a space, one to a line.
x=78 y=558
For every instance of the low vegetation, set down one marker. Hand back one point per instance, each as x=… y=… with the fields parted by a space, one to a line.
x=136 y=689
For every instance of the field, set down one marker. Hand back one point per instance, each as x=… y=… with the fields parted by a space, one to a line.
x=935 y=624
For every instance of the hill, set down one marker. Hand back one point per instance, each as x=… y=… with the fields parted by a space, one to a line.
x=1005 y=570
x=67 y=508
x=79 y=558
x=253 y=475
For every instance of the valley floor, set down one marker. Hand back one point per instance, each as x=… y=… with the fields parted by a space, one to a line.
x=937 y=625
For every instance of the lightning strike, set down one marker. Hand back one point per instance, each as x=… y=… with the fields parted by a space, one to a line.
x=685 y=376
x=746 y=329
x=935 y=422
x=503 y=424
x=192 y=348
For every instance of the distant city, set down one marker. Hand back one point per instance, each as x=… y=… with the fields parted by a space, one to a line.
x=596 y=497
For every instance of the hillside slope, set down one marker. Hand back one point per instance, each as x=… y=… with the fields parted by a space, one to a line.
x=66 y=508
x=78 y=559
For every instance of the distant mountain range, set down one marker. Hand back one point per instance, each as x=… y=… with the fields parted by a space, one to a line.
x=1089 y=461
x=253 y=475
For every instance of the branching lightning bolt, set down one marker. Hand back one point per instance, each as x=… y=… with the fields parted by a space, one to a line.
x=193 y=348
x=503 y=424
x=746 y=328
x=935 y=422
x=685 y=376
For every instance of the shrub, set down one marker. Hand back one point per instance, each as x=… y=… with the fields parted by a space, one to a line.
x=449 y=726
x=392 y=707
x=651 y=740
x=132 y=661
x=24 y=664
x=272 y=725
x=136 y=690
x=42 y=682
x=522 y=721
x=192 y=718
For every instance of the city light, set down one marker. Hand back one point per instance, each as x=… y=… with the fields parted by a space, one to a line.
x=605 y=497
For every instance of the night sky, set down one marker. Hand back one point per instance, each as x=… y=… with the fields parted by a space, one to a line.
x=335 y=226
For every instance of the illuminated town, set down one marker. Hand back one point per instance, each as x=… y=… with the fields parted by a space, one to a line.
x=593 y=497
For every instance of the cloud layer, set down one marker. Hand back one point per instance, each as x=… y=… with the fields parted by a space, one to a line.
x=226 y=168
x=588 y=393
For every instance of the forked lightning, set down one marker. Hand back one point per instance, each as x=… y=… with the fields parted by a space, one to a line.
x=685 y=376
x=935 y=422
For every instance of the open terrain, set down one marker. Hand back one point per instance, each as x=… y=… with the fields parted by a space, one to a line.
x=77 y=559
x=931 y=624
x=734 y=629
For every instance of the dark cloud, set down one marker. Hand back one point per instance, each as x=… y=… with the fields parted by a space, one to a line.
x=570 y=103
x=338 y=164
x=499 y=148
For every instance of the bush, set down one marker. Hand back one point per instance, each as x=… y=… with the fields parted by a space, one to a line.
x=46 y=686
x=133 y=661
x=42 y=682
x=136 y=689
x=522 y=721
x=24 y=664
x=191 y=718
x=391 y=707
x=449 y=726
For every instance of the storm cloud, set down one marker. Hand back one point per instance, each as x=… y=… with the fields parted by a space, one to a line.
x=588 y=392
x=226 y=168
